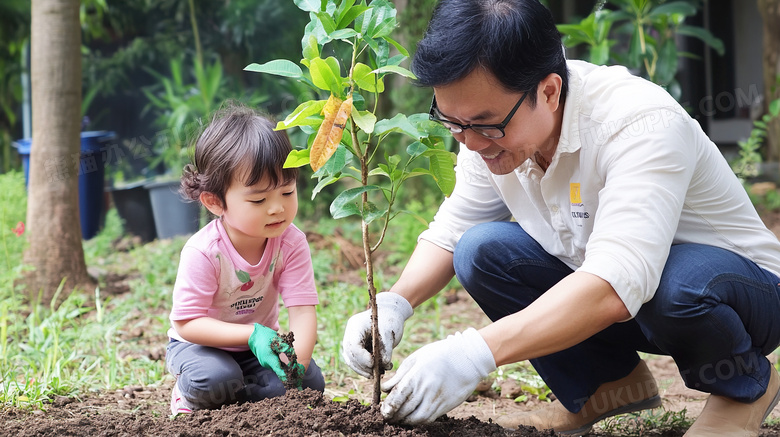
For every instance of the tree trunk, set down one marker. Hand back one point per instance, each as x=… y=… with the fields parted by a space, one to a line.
x=53 y=206
x=770 y=12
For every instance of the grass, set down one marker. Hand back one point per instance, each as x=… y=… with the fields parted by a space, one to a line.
x=99 y=340
x=83 y=344
x=647 y=422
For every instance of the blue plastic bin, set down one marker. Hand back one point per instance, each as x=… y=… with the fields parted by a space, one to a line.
x=91 y=177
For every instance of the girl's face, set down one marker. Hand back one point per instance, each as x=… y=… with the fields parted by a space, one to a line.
x=253 y=214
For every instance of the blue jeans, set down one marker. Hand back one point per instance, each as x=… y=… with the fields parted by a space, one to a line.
x=208 y=377
x=715 y=313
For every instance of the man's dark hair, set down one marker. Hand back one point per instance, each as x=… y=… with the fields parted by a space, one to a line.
x=515 y=40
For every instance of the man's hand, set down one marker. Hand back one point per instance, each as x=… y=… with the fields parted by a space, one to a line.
x=437 y=378
x=393 y=310
x=265 y=343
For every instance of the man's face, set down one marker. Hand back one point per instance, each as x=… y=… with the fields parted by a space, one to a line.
x=480 y=99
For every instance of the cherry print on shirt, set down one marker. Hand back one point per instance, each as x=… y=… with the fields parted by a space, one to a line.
x=245 y=279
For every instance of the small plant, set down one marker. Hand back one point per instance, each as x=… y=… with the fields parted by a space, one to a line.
x=527 y=378
x=182 y=107
x=347 y=141
x=747 y=164
x=658 y=421
x=652 y=27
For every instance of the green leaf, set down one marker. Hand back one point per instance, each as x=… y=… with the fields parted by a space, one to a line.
x=311 y=49
x=279 y=67
x=382 y=21
x=574 y=34
x=678 y=7
x=342 y=9
x=381 y=170
x=666 y=67
x=308 y=5
x=635 y=54
x=399 y=124
x=443 y=169
x=350 y=15
x=343 y=34
x=297 y=158
x=314 y=28
x=302 y=112
x=401 y=49
x=373 y=212
x=326 y=75
x=397 y=70
x=416 y=149
x=386 y=27
x=604 y=20
x=340 y=158
x=363 y=22
x=365 y=120
x=774 y=107
x=704 y=35
x=371 y=42
x=324 y=182
x=327 y=22
x=427 y=127
x=599 y=54
x=367 y=79
x=616 y=16
x=345 y=205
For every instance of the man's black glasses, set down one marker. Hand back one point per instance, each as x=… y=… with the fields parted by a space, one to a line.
x=492 y=131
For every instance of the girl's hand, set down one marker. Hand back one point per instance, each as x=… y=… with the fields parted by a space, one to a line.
x=266 y=344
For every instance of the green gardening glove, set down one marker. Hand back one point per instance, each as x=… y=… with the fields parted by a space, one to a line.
x=266 y=344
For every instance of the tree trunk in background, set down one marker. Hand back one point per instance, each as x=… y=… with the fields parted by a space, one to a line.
x=53 y=207
x=770 y=12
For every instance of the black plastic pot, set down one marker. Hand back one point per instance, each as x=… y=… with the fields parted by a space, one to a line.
x=134 y=206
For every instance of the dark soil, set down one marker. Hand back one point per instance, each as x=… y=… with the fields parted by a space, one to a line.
x=298 y=413
x=293 y=371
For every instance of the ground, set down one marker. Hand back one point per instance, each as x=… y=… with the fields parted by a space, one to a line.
x=144 y=411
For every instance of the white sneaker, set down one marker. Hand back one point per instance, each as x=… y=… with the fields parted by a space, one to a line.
x=179 y=405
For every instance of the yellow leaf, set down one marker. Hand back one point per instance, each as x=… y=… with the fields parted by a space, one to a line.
x=329 y=135
x=318 y=146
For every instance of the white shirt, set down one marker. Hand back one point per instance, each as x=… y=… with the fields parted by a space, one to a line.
x=632 y=175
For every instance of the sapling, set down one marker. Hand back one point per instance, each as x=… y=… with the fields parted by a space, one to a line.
x=346 y=138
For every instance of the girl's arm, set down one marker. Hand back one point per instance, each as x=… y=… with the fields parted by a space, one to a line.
x=211 y=332
x=303 y=324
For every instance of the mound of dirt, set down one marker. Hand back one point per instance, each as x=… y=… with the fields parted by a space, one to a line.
x=299 y=413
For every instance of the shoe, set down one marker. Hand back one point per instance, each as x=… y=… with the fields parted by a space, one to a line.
x=635 y=392
x=179 y=405
x=726 y=417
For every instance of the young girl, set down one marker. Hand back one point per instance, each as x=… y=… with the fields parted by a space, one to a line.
x=233 y=271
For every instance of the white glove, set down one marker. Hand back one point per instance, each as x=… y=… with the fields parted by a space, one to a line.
x=392 y=312
x=437 y=378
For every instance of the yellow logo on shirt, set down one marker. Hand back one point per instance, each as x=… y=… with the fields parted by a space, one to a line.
x=574 y=193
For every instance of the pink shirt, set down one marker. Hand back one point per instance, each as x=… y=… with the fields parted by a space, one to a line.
x=215 y=281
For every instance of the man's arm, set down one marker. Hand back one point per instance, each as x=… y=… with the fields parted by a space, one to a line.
x=573 y=310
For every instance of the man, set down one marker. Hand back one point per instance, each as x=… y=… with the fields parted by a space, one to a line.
x=630 y=233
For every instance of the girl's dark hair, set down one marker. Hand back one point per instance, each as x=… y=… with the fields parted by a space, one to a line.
x=242 y=139
x=515 y=40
